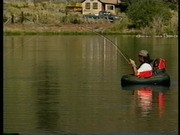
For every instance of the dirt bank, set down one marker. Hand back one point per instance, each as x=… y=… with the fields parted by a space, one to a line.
x=38 y=28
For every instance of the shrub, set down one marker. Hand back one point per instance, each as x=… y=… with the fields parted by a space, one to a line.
x=122 y=24
x=172 y=26
x=72 y=18
x=142 y=12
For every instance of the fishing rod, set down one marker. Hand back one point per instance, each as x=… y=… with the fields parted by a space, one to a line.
x=125 y=56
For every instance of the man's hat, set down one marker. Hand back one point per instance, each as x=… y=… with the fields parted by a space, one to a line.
x=143 y=53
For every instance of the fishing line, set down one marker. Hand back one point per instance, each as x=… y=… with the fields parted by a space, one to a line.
x=125 y=56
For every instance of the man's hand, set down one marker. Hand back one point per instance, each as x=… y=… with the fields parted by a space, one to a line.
x=132 y=62
x=133 y=66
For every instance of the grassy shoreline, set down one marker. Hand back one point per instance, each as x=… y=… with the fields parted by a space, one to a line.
x=91 y=29
x=22 y=29
x=61 y=33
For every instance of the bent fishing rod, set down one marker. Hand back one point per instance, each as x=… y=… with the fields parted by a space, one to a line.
x=125 y=56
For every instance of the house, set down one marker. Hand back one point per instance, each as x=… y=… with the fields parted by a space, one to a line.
x=94 y=6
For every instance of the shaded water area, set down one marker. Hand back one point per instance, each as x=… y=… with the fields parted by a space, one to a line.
x=72 y=84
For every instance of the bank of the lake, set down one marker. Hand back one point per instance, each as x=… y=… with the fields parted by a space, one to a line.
x=72 y=29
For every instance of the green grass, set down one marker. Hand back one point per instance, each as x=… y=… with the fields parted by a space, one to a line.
x=9 y=33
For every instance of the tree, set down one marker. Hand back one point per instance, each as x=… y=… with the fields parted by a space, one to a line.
x=143 y=12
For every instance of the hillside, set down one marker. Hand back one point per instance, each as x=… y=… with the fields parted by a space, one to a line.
x=52 y=17
x=49 y=17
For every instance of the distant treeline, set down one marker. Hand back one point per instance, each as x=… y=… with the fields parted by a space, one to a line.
x=42 y=0
x=128 y=1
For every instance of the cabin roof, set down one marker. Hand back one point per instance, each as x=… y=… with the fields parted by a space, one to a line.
x=109 y=1
x=106 y=1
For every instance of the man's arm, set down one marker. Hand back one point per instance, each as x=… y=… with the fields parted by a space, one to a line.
x=134 y=67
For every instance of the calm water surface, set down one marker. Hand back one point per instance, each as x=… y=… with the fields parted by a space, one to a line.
x=71 y=84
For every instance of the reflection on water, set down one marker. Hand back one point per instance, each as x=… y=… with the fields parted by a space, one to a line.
x=147 y=96
x=162 y=103
x=72 y=84
x=144 y=97
x=47 y=100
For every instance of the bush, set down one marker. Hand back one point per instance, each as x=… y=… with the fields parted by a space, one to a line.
x=157 y=26
x=142 y=12
x=172 y=26
x=122 y=24
x=72 y=19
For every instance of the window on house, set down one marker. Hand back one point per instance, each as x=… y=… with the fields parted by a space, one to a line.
x=95 y=5
x=110 y=7
x=87 y=6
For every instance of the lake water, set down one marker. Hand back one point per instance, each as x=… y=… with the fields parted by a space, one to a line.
x=72 y=84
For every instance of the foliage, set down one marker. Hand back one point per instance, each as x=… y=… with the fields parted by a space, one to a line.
x=151 y=17
x=172 y=26
x=72 y=18
x=122 y=24
x=142 y=12
x=157 y=27
x=173 y=6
